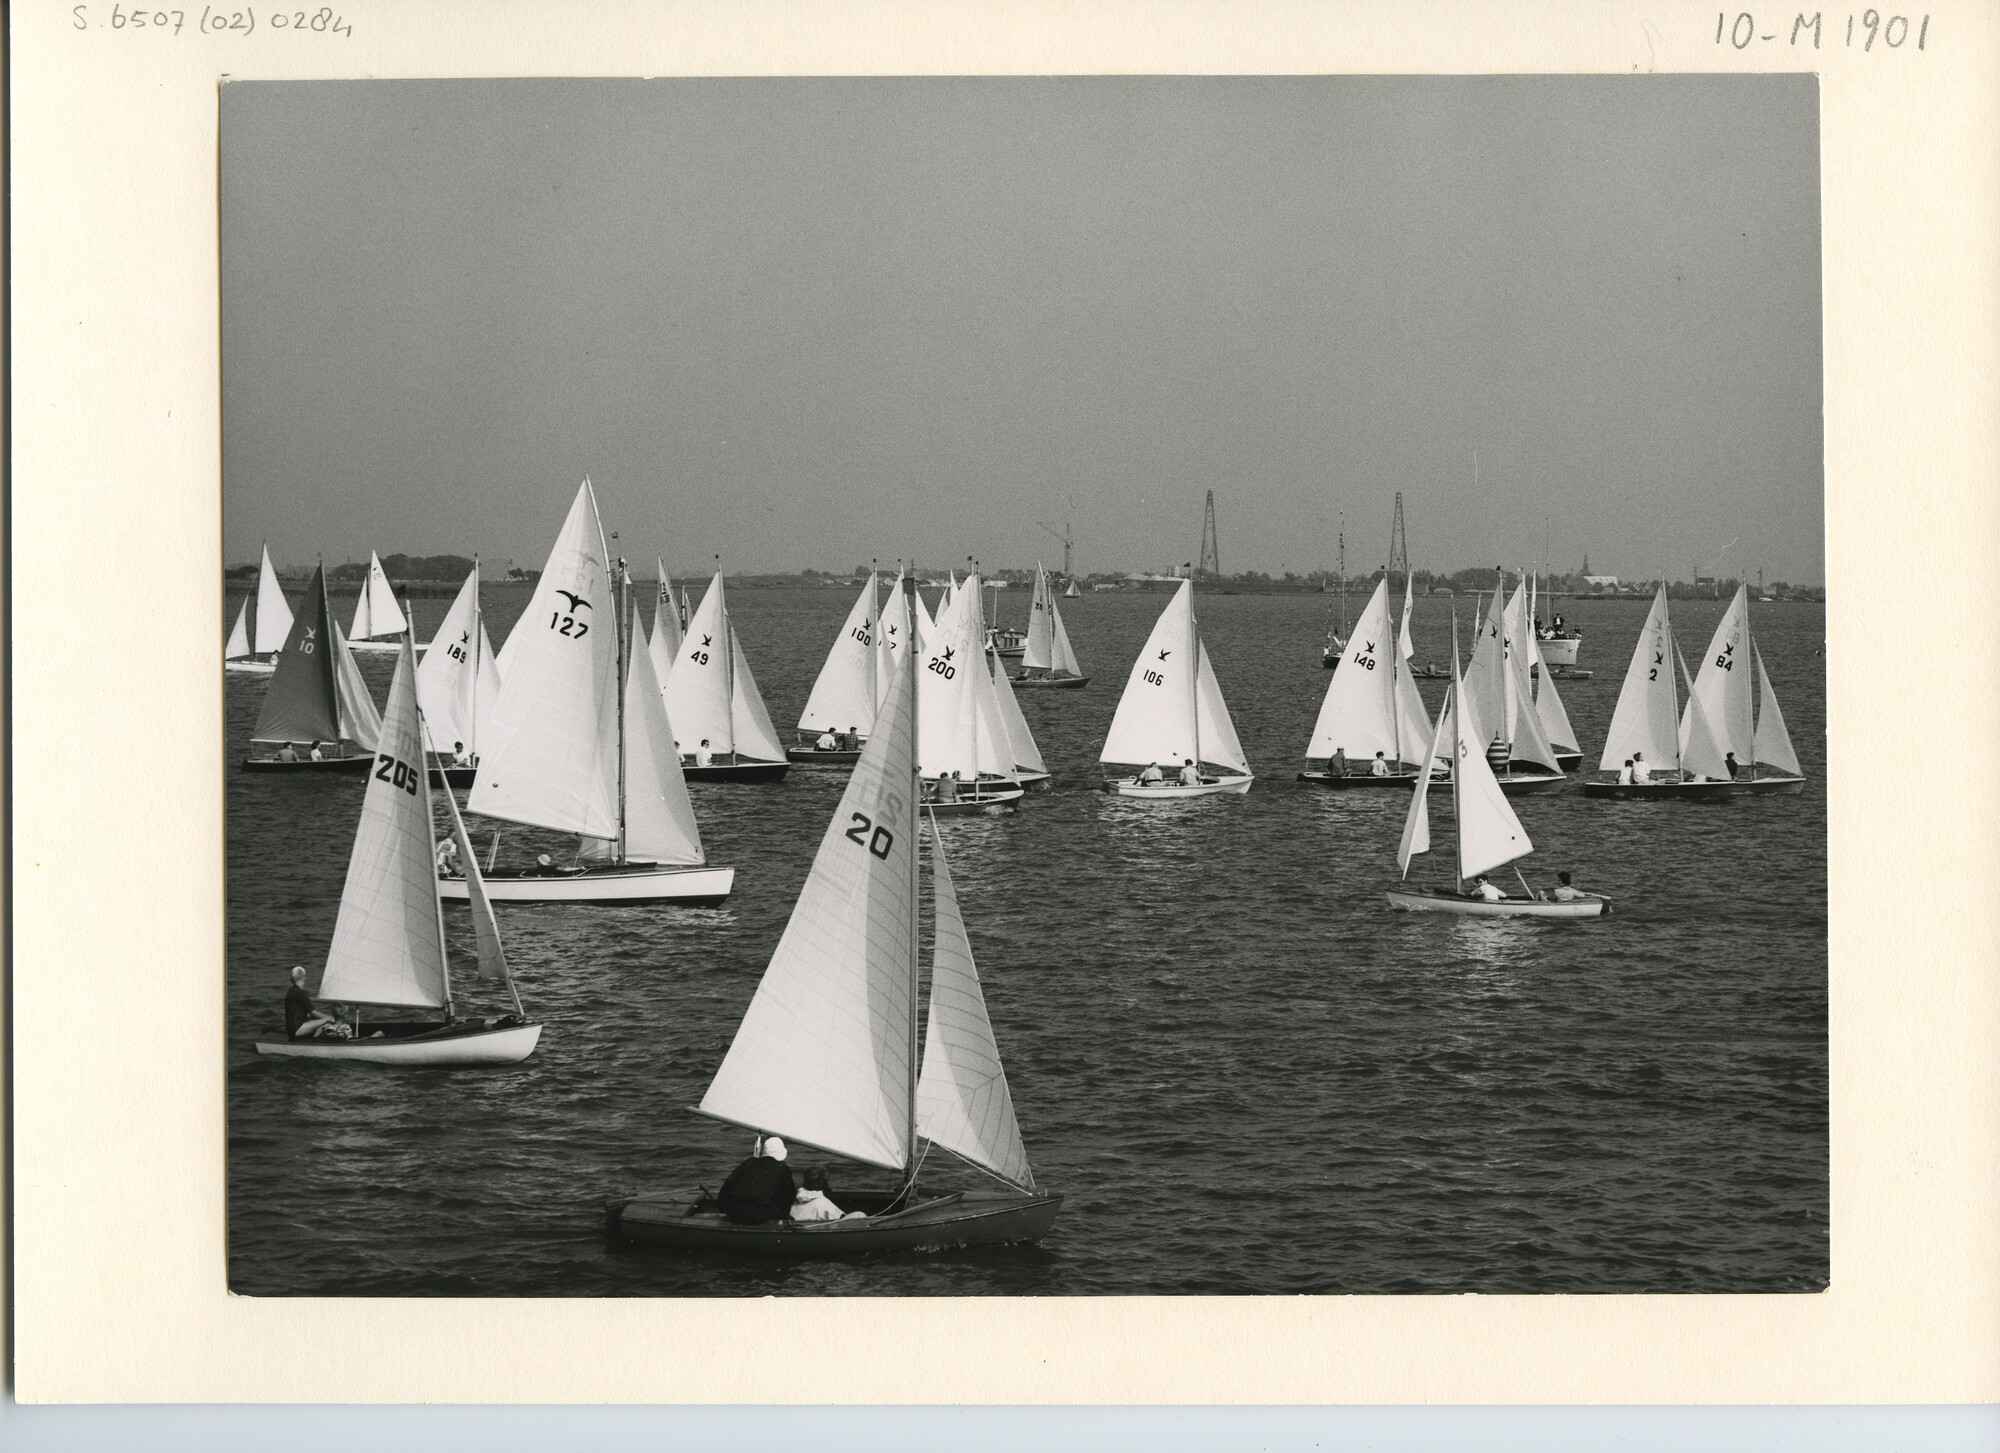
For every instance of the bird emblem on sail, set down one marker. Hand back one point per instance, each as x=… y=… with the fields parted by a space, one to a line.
x=948 y=652
x=576 y=602
x=306 y=646
x=1164 y=654
x=1727 y=659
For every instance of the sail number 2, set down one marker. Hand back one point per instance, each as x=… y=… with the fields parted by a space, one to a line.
x=395 y=773
x=878 y=842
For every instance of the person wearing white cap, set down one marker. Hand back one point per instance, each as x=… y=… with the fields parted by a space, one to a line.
x=303 y=1018
x=761 y=1189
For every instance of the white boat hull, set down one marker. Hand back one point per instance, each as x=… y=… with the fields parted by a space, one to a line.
x=1559 y=652
x=250 y=666
x=387 y=648
x=691 y=887
x=1426 y=900
x=1132 y=787
x=504 y=1046
x=990 y=798
x=1769 y=786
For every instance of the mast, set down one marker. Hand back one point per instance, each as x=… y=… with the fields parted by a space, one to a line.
x=423 y=771
x=1457 y=759
x=915 y=787
x=624 y=650
x=728 y=662
x=1673 y=687
x=1194 y=679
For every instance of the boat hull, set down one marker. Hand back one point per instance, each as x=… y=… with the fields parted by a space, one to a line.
x=433 y=1045
x=696 y=887
x=1660 y=791
x=742 y=771
x=1516 y=785
x=1769 y=786
x=442 y=776
x=1569 y=761
x=989 y=798
x=1561 y=652
x=1428 y=900
x=360 y=762
x=1040 y=683
x=1131 y=787
x=976 y=1218
x=251 y=667
x=1340 y=782
x=814 y=757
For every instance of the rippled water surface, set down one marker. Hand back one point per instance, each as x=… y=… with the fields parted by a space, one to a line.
x=1244 y=1072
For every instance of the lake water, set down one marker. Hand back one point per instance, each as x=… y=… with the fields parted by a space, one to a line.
x=1245 y=1073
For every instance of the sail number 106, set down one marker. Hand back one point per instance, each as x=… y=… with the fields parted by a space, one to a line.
x=1155 y=677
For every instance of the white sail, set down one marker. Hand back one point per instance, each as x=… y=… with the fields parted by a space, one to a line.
x=752 y=730
x=697 y=693
x=1155 y=720
x=659 y=817
x=376 y=612
x=274 y=617
x=1218 y=732
x=1038 y=653
x=1701 y=753
x=926 y=623
x=888 y=643
x=1643 y=720
x=1548 y=703
x=448 y=678
x=1774 y=744
x=1065 y=655
x=492 y=957
x=1489 y=833
x=1358 y=714
x=823 y=1055
x=388 y=944
x=239 y=634
x=843 y=696
x=1403 y=643
x=947 y=710
x=962 y=1098
x=1723 y=692
x=1417 y=821
x=1484 y=703
x=665 y=642
x=994 y=740
x=1020 y=740
x=1413 y=722
x=1527 y=739
x=360 y=722
x=549 y=751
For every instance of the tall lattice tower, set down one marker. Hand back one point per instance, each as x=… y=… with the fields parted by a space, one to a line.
x=1399 y=548
x=1211 y=563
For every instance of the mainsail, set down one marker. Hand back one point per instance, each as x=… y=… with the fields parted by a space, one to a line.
x=948 y=714
x=303 y=702
x=1156 y=716
x=1643 y=720
x=962 y=1098
x=376 y=612
x=458 y=680
x=711 y=695
x=388 y=942
x=1723 y=694
x=843 y=696
x=274 y=617
x=824 y=1054
x=1020 y=740
x=1774 y=743
x=549 y=752
x=1358 y=715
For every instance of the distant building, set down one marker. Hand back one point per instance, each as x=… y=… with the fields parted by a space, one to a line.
x=1602 y=582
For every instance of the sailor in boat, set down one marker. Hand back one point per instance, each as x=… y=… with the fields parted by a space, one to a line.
x=317 y=754
x=1729 y=761
x=1189 y=777
x=703 y=757
x=1379 y=767
x=303 y=1018
x=1625 y=777
x=1565 y=893
x=1641 y=773
x=761 y=1189
x=827 y=741
x=852 y=741
x=1481 y=888
x=288 y=753
x=447 y=858
x=815 y=1203
x=1152 y=776
x=459 y=758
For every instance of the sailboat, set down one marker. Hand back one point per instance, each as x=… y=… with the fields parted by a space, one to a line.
x=963 y=749
x=842 y=703
x=1489 y=834
x=317 y=701
x=1499 y=702
x=1003 y=640
x=274 y=625
x=713 y=703
x=1000 y=717
x=1645 y=726
x=1072 y=591
x=1548 y=701
x=1046 y=659
x=388 y=945
x=1172 y=715
x=577 y=741
x=665 y=641
x=1749 y=740
x=376 y=613
x=1370 y=709
x=827 y=1054
x=458 y=682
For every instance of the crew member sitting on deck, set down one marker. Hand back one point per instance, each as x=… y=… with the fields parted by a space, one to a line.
x=288 y=753
x=1337 y=763
x=826 y=741
x=813 y=1204
x=1189 y=777
x=1640 y=771
x=303 y=1020
x=447 y=858
x=1564 y=892
x=458 y=756
x=1486 y=890
x=851 y=742
x=317 y=755
x=1379 y=767
x=703 y=757
x=1625 y=777
x=1729 y=761
x=1151 y=777
x=761 y=1189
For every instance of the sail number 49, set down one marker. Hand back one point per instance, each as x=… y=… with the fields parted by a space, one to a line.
x=395 y=773
x=878 y=842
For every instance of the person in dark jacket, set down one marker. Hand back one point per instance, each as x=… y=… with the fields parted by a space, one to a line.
x=761 y=1189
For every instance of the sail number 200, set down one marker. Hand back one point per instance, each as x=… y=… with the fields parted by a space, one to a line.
x=878 y=842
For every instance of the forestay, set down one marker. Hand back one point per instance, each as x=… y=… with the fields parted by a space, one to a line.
x=823 y=1055
x=962 y=1098
x=302 y=703
x=388 y=944
x=376 y=612
x=549 y=753
x=1774 y=743
x=1644 y=719
x=843 y=696
x=274 y=617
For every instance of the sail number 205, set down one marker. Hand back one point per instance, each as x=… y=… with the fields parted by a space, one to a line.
x=395 y=773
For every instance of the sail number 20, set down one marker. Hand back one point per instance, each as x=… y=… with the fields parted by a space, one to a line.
x=878 y=842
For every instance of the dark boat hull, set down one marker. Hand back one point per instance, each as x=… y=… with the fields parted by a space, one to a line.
x=452 y=776
x=1660 y=791
x=814 y=757
x=361 y=762
x=747 y=771
x=1352 y=780
x=1769 y=786
x=974 y=1218
x=1050 y=682
x=1516 y=786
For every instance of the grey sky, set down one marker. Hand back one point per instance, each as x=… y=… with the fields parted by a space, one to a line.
x=803 y=323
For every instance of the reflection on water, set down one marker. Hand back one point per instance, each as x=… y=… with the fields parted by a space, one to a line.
x=1187 y=993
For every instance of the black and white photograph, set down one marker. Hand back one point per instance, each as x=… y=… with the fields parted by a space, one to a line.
x=1024 y=686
